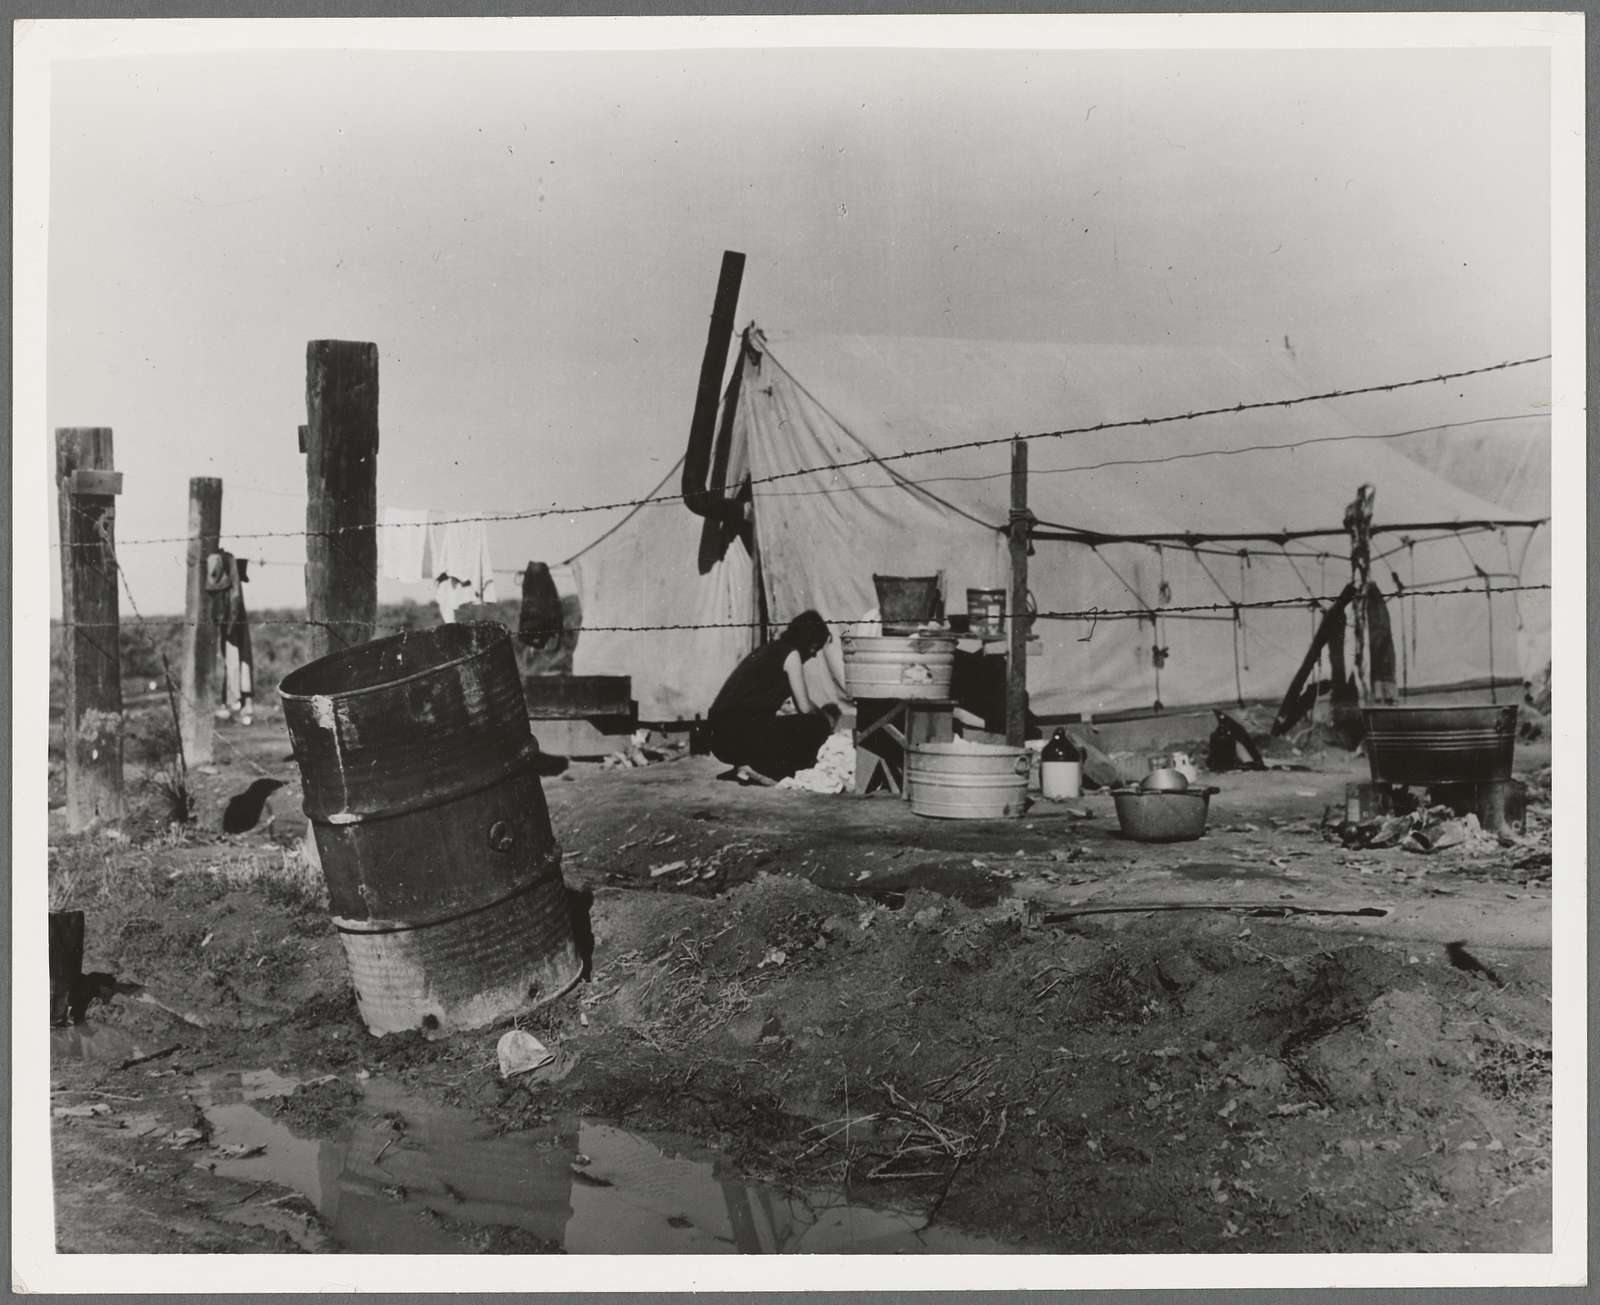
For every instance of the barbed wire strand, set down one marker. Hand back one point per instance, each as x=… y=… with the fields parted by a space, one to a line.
x=1080 y=614
x=533 y=514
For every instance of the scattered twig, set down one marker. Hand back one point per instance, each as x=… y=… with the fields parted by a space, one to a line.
x=154 y=1055
x=386 y=1147
x=1251 y=947
x=1248 y=908
x=938 y=1204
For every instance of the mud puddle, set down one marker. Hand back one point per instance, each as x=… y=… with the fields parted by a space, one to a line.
x=404 y=1175
x=95 y=1042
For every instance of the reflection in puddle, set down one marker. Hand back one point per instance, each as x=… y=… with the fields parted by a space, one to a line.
x=588 y=1187
x=93 y=1041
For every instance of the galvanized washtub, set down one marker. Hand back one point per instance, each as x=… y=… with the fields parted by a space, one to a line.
x=967 y=781
x=1440 y=745
x=422 y=787
x=916 y=666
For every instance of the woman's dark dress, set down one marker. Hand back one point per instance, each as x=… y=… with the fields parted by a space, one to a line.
x=746 y=729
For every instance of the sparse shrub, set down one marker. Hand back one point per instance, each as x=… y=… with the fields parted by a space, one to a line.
x=172 y=797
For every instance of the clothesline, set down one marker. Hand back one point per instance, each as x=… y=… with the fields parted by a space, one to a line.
x=421 y=546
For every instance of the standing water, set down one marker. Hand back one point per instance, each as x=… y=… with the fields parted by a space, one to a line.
x=403 y=1170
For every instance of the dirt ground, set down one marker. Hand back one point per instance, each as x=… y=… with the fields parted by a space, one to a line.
x=835 y=1001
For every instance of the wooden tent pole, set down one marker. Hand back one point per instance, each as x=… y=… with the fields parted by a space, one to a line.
x=1017 y=668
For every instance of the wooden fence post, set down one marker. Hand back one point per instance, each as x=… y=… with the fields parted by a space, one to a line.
x=341 y=447
x=92 y=728
x=200 y=699
x=1017 y=662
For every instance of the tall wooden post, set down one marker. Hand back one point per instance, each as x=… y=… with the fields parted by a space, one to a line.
x=199 y=633
x=1017 y=667
x=341 y=446
x=87 y=487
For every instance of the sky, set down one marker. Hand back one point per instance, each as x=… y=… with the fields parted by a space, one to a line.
x=532 y=240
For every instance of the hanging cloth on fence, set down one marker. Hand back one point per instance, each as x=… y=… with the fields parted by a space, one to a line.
x=225 y=579
x=540 y=624
x=462 y=571
x=404 y=544
x=226 y=576
x=1380 y=637
x=1358 y=523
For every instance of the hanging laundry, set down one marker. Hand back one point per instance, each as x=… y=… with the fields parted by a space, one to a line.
x=462 y=571
x=1380 y=639
x=540 y=623
x=404 y=544
x=226 y=576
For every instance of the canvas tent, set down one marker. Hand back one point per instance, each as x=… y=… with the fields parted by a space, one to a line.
x=1505 y=460
x=814 y=439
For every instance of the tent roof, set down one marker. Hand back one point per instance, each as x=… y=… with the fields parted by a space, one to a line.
x=894 y=395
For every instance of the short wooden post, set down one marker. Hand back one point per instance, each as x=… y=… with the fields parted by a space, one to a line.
x=87 y=487
x=341 y=446
x=1017 y=668
x=199 y=632
x=66 y=962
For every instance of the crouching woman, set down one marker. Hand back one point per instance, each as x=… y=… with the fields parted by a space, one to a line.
x=746 y=730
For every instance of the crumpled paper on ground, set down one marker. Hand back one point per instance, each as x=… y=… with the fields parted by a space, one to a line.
x=519 y=1052
x=1429 y=829
x=835 y=770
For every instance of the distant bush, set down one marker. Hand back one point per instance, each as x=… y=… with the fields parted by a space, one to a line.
x=280 y=641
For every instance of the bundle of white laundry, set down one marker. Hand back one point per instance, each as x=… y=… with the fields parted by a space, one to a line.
x=835 y=770
x=446 y=552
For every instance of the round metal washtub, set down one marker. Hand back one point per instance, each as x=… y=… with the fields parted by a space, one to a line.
x=422 y=787
x=888 y=666
x=1439 y=745
x=967 y=781
x=1162 y=815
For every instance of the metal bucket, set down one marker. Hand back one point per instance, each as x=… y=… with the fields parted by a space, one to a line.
x=888 y=666
x=422 y=787
x=967 y=781
x=905 y=602
x=1436 y=745
x=986 y=613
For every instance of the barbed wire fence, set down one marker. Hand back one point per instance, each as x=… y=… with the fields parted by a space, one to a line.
x=1271 y=544
x=932 y=450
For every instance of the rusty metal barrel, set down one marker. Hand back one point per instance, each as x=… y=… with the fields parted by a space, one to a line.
x=421 y=781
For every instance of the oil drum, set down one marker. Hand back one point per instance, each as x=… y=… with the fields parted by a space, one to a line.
x=422 y=786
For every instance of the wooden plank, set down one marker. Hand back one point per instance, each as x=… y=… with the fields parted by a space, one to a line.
x=583 y=738
x=341 y=441
x=196 y=728
x=697 y=496
x=929 y=723
x=570 y=697
x=87 y=480
x=1017 y=670
x=92 y=726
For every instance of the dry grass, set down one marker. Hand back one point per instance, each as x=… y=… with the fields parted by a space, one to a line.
x=682 y=1000
x=89 y=870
